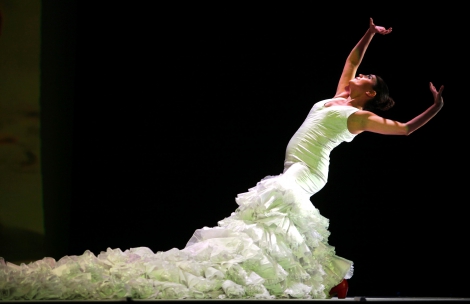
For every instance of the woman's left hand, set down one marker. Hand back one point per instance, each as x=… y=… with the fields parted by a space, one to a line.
x=438 y=101
x=378 y=29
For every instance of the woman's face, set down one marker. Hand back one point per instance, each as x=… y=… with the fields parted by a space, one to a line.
x=364 y=82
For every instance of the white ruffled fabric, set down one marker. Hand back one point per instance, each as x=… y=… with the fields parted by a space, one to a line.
x=273 y=246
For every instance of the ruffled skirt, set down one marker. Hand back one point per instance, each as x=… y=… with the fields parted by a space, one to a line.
x=275 y=245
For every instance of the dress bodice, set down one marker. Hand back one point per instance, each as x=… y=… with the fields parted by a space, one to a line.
x=323 y=130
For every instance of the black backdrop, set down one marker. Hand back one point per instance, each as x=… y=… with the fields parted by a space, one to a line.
x=177 y=109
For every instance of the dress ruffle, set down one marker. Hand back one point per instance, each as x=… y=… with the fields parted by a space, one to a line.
x=275 y=245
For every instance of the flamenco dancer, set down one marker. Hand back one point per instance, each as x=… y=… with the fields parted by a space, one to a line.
x=274 y=245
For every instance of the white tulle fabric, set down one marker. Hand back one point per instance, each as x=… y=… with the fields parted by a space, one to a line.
x=273 y=246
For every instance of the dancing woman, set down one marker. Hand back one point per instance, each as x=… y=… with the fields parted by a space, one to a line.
x=274 y=245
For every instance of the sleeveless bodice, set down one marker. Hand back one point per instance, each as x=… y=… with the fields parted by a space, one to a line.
x=323 y=130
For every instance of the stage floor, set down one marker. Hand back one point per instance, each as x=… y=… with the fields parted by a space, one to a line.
x=334 y=299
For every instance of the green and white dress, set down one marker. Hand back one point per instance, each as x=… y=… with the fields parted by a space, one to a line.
x=274 y=245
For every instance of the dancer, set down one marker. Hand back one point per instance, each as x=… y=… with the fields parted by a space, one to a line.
x=274 y=245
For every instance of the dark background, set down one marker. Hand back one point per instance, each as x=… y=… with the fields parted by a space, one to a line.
x=169 y=111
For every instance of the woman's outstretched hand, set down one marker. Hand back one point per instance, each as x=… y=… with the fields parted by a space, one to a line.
x=379 y=29
x=438 y=101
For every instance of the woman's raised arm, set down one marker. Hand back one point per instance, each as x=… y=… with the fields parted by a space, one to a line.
x=368 y=121
x=355 y=58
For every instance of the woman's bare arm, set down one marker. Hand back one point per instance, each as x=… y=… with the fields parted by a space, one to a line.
x=355 y=57
x=368 y=121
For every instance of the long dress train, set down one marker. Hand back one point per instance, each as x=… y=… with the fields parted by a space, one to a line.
x=274 y=245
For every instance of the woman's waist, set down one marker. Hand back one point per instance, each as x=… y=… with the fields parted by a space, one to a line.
x=318 y=164
x=309 y=179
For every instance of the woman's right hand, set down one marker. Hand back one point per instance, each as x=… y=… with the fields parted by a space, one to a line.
x=378 y=29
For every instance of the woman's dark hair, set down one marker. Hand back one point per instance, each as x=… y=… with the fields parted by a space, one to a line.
x=382 y=101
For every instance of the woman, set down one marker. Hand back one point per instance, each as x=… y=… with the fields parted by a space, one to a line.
x=275 y=245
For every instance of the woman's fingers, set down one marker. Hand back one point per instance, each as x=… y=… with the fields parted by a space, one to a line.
x=437 y=95
x=433 y=90
x=441 y=89
x=386 y=31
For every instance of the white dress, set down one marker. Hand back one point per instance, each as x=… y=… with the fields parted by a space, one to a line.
x=275 y=244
